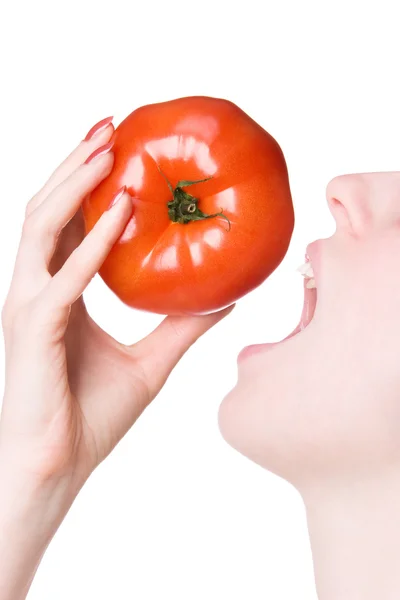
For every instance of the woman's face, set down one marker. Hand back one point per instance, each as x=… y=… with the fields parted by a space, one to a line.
x=296 y=402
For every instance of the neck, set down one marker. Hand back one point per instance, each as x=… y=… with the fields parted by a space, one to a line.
x=355 y=540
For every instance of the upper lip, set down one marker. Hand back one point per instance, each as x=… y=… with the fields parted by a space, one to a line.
x=313 y=252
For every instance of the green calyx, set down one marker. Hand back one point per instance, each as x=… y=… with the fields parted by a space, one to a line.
x=184 y=208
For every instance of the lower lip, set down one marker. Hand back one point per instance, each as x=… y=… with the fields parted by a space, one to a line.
x=253 y=350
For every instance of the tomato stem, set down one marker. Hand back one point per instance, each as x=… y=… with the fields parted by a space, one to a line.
x=183 y=208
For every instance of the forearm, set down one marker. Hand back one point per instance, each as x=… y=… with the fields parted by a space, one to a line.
x=355 y=539
x=30 y=514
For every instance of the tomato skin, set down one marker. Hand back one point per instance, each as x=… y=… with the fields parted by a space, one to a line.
x=202 y=266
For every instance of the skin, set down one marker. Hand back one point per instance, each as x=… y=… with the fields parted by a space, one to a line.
x=320 y=409
x=175 y=268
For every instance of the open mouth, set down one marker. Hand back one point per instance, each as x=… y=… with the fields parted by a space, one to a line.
x=310 y=302
x=310 y=297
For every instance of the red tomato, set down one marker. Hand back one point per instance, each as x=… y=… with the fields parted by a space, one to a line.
x=194 y=248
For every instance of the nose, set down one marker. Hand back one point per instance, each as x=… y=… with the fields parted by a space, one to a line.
x=364 y=201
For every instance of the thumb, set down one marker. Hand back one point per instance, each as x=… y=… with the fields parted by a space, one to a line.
x=160 y=351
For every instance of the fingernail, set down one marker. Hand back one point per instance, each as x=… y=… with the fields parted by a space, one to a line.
x=99 y=152
x=100 y=126
x=117 y=196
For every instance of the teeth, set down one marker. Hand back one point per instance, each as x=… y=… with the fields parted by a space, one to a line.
x=310 y=285
x=306 y=270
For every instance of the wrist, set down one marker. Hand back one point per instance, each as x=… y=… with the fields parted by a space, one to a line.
x=24 y=493
x=31 y=511
x=355 y=537
x=25 y=464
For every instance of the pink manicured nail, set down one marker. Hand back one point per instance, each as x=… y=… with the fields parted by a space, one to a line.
x=117 y=196
x=100 y=126
x=99 y=152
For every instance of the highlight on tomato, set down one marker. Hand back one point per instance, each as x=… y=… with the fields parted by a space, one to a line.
x=212 y=213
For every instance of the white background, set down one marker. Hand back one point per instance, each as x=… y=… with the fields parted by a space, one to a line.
x=174 y=512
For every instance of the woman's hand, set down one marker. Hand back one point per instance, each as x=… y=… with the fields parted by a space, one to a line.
x=72 y=391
